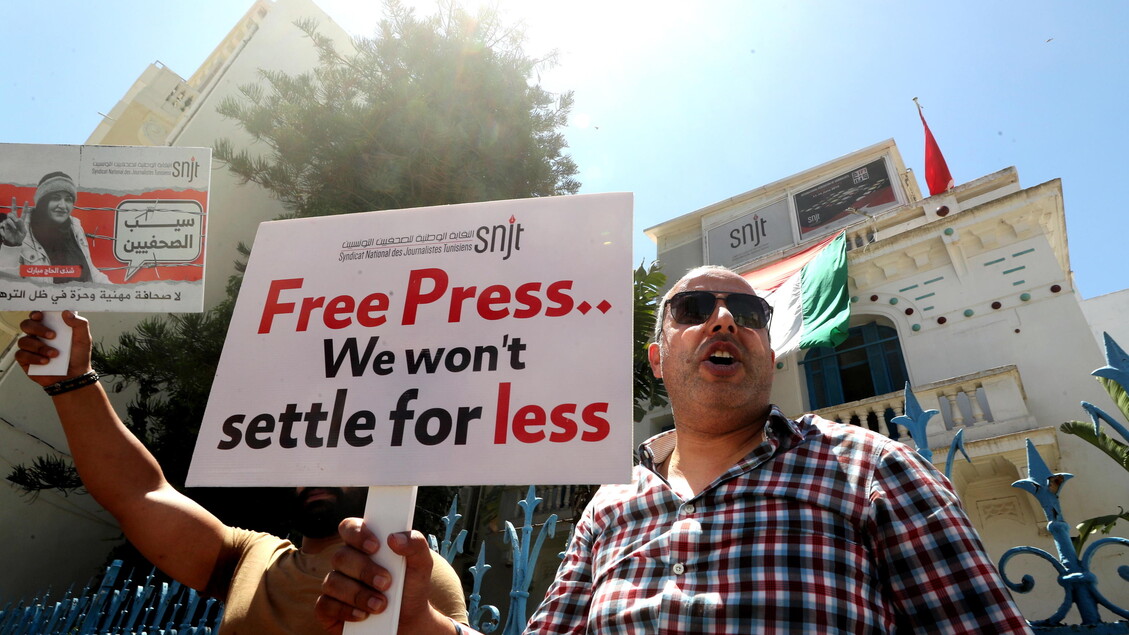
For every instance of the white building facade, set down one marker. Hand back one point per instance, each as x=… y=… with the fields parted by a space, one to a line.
x=968 y=296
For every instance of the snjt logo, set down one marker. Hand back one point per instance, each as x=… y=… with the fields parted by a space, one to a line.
x=751 y=232
x=503 y=238
x=189 y=169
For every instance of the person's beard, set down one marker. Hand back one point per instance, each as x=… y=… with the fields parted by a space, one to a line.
x=320 y=518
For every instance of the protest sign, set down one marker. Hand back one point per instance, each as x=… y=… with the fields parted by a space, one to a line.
x=486 y=343
x=104 y=228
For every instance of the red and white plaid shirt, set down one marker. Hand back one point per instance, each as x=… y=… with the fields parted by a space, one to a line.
x=823 y=528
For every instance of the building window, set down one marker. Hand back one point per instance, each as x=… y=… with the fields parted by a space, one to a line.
x=867 y=364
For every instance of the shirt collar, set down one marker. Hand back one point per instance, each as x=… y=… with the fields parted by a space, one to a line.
x=778 y=430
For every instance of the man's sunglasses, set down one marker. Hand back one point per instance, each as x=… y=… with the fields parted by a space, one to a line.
x=695 y=307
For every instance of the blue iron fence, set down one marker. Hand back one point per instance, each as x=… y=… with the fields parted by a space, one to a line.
x=117 y=608
x=525 y=550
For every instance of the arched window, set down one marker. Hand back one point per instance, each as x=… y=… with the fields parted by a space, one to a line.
x=868 y=363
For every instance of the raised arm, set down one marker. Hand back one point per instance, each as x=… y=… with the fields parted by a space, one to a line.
x=175 y=533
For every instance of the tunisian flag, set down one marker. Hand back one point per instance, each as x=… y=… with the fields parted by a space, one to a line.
x=808 y=294
x=937 y=175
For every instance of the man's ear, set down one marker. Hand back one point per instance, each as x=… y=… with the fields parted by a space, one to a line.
x=654 y=356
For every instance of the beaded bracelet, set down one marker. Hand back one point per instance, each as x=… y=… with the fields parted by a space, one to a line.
x=74 y=383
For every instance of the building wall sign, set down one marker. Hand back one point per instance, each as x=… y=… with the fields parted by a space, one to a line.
x=750 y=236
x=866 y=190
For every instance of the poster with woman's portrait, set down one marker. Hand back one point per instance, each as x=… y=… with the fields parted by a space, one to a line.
x=108 y=228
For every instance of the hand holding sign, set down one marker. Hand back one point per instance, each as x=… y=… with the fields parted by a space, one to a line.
x=54 y=330
x=350 y=592
x=373 y=576
x=13 y=228
x=61 y=364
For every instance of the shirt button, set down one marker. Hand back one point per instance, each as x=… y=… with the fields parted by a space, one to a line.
x=679 y=568
x=687 y=509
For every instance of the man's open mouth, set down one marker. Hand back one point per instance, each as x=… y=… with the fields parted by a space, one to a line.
x=722 y=358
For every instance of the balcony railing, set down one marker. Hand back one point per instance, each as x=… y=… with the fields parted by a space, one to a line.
x=988 y=403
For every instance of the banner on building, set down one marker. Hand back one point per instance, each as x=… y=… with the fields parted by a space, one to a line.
x=487 y=343
x=848 y=197
x=104 y=228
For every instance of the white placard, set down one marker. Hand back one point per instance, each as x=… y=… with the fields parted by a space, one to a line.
x=130 y=238
x=487 y=343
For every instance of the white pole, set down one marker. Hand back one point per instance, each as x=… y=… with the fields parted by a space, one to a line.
x=57 y=366
x=388 y=510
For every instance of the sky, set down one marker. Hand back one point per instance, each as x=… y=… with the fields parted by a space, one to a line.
x=689 y=103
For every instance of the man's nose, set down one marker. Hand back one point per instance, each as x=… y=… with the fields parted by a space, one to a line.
x=723 y=319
